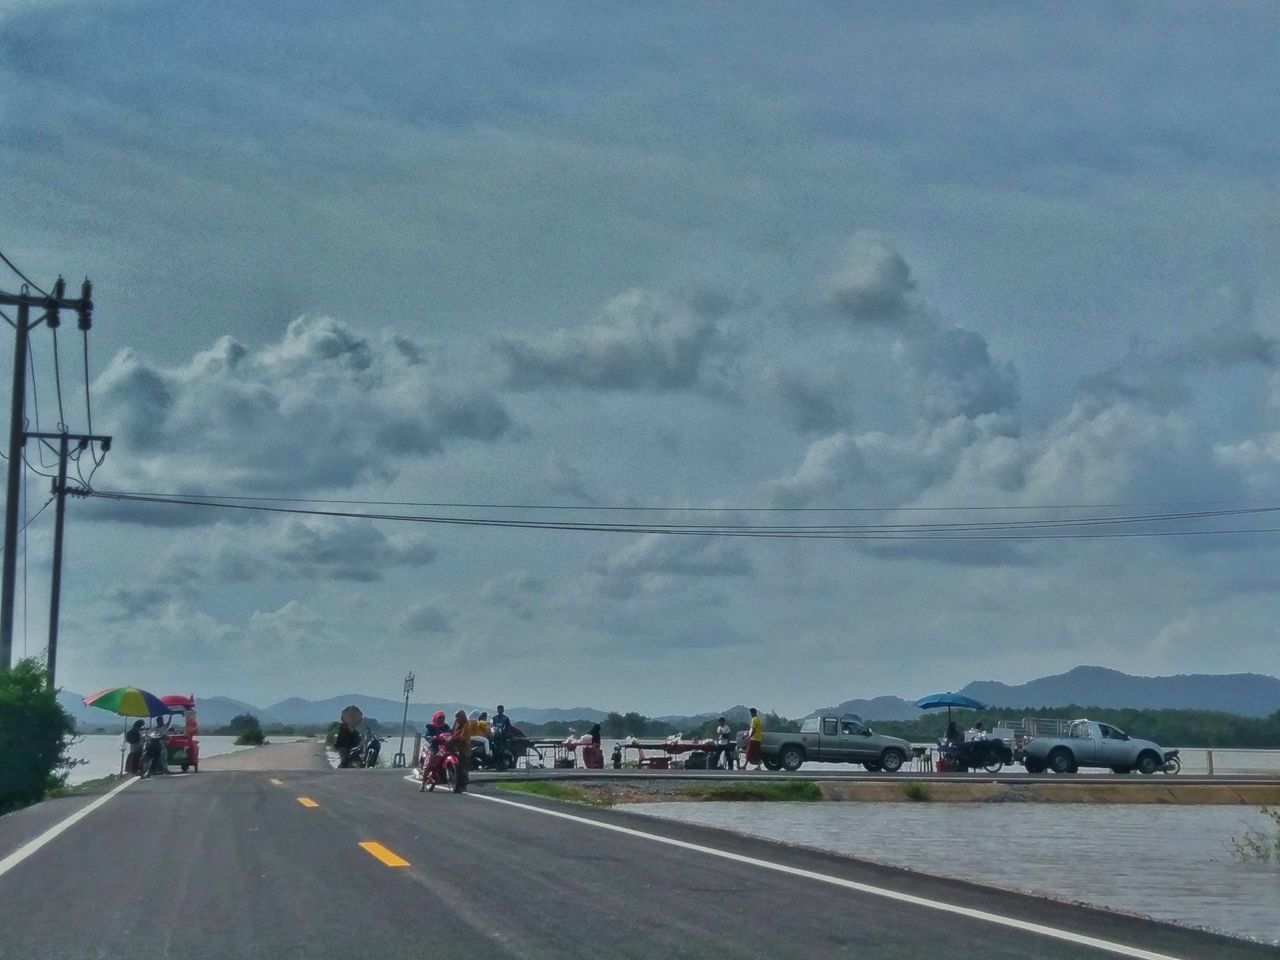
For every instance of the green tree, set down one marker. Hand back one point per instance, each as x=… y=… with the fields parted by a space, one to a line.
x=35 y=735
x=242 y=722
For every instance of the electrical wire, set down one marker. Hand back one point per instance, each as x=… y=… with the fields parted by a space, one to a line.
x=23 y=532
x=88 y=405
x=57 y=379
x=867 y=528
x=586 y=508
x=29 y=281
x=793 y=533
x=35 y=399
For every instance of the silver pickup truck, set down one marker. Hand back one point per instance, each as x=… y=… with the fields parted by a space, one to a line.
x=1092 y=744
x=834 y=740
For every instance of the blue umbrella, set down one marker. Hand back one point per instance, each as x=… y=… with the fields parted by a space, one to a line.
x=950 y=700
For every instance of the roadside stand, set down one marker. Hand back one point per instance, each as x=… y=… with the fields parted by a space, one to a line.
x=954 y=753
x=665 y=751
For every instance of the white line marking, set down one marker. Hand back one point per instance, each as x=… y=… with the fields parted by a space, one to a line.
x=31 y=846
x=1120 y=949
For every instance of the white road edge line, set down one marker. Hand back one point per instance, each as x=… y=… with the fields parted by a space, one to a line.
x=31 y=846
x=1120 y=949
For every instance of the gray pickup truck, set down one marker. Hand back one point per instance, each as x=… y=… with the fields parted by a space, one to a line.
x=834 y=740
x=1092 y=744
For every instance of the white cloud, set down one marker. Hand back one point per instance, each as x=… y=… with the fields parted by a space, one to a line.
x=324 y=407
x=640 y=342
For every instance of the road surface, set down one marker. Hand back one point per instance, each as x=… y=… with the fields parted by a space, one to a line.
x=322 y=864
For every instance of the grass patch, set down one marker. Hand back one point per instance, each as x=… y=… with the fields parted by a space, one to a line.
x=787 y=790
x=107 y=781
x=916 y=791
x=556 y=791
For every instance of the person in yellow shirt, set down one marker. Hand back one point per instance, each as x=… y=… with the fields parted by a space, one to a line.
x=755 y=740
x=479 y=730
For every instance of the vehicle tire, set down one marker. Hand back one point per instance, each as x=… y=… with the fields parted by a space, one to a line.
x=792 y=758
x=184 y=767
x=1173 y=766
x=1061 y=761
x=450 y=775
x=772 y=764
x=505 y=761
x=1122 y=770
x=1148 y=763
x=995 y=766
x=892 y=760
x=872 y=766
x=1032 y=766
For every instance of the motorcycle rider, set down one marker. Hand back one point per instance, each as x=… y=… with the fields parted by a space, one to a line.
x=479 y=729
x=346 y=742
x=501 y=723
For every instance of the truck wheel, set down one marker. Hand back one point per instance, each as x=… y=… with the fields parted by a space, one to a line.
x=892 y=760
x=1148 y=763
x=771 y=763
x=1061 y=761
x=872 y=766
x=1122 y=770
x=792 y=758
x=1032 y=766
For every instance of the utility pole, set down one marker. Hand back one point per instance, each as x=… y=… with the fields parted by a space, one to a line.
x=399 y=760
x=24 y=301
x=60 y=491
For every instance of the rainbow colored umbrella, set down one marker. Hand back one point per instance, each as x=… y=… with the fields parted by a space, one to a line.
x=128 y=702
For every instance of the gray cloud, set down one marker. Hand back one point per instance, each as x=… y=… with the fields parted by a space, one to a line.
x=640 y=342
x=322 y=407
x=873 y=284
x=425 y=617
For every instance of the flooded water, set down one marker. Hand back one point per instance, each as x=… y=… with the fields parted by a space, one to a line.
x=102 y=751
x=1172 y=863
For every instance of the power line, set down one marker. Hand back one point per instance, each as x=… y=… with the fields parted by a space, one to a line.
x=790 y=533
x=88 y=404
x=57 y=379
x=31 y=283
x=588 y=508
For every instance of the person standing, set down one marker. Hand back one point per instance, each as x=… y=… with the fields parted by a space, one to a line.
x=345 y=742
x=133 y=741
x=724 y=744
x=755 y=740
x=461 y=743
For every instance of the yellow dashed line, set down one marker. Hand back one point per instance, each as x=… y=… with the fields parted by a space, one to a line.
x=383 y=854
x=307 y=802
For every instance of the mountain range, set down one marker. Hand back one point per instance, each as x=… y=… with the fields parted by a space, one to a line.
x=1247 y=694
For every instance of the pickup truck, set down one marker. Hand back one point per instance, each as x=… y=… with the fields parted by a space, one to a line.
x=833 y=739
x=1092 y=744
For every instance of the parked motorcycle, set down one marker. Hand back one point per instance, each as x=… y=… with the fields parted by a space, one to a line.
x=370 y=749
x=1171 y=762
x=498 y=757
x=154 y=754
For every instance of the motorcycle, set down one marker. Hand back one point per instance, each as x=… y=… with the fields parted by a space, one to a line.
x=370 y=748
x=154 y=759
x=438 y=763
x=498 y=757
x=1171 y=762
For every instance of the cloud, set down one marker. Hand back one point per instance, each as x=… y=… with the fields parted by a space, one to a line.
x=299 y=548
x=641 y=341
x=323 y=407
x=517 y=592
x=426 y=617
x=658 y=562
x=873 y=284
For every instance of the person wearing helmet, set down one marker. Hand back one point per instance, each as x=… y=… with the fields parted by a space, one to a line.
x=437 y=725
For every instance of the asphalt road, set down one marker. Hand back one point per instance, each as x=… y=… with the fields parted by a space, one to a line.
x=232 y=865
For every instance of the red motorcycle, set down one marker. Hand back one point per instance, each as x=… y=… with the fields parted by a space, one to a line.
x=438 y=763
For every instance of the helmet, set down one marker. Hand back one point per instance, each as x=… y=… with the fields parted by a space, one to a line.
x=437 y=719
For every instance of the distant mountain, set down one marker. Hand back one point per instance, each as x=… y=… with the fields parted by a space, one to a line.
x=218 y=711
x=547 y=714
x=877 y=708
x=1247 y=694
x=300 y=711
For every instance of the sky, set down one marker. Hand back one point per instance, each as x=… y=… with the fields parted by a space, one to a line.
x=774 y=256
